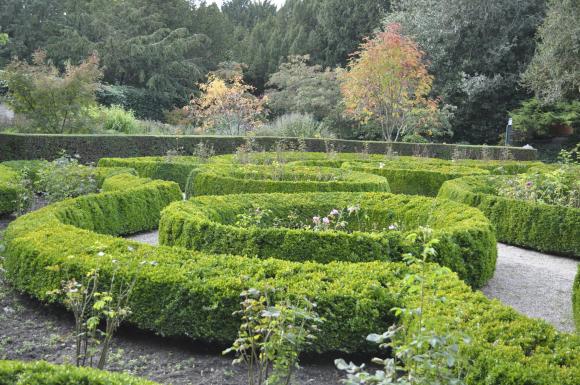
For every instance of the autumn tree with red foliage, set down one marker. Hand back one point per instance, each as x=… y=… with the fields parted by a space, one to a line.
x=387 y=84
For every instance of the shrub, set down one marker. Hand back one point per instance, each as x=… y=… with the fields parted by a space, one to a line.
x=543 y=227
x=175 y=169
x=534 y=120
x=65 y=178
x=294 y=125
x=55 y=103
x=375 y=229
x=180 y=292
x=10 y=190
x=43 y=373
x=413 y=176
x=231 y=179
x=117 y=119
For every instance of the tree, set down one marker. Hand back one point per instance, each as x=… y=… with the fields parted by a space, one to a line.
x=55 y=102
x=477 y=50
x=387 y=83
x=299 y=87
x=226 y=108
x=554 y=72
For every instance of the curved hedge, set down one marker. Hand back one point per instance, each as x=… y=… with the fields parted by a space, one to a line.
x=194 y=294
x=467 y=241
x=43 y=373
x=337 y=159
x=542 y=227
x=216 y=179
x=175 y=169
x=414 y=178
x=10 y=190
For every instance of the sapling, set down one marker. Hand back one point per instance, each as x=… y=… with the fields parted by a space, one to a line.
x=418 y=356
x=272 y=336
x=92 y=306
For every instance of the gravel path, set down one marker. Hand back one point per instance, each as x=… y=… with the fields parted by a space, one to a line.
x=538 y=285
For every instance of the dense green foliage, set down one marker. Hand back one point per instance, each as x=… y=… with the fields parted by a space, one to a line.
x=414 y=177
x=10 y=190
x=170 y=168
x=42 y=373
x=554 y=72
x=534 y=119
x=218 y=179
x=55 y=103
x=211 y=224
x=186 y=293
x=530 y=224
x=477 y=50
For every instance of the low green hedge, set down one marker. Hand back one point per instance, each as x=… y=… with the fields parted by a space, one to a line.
x=576 y=299
x=91 y=148
x=337 y=159
x=10 y=190
x=414 y=179
x=193 y=294
x=219 y=179
x=467 y=241
x=175 y=169
x=43 y=373
x=542 y=227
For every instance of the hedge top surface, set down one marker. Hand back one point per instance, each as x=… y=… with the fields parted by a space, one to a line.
x=218 y=179
x=194 y=294
x=336 y=160
x=171 y=168
x=43 y=373
x=362 y=227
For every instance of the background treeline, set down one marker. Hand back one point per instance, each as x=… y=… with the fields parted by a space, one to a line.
x=155 y=53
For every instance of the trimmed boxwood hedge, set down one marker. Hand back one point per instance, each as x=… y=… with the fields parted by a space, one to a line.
x=543 y=227
x=93 y=147
x=43 y=373
x=467 y=241
x=10 y=190
x=414 y=178
x=219 y=179
x=175 y=169
x=194 y=294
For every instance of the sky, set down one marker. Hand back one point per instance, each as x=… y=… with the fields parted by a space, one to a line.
x=219 y=2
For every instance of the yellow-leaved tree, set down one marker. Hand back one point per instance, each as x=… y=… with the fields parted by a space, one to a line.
x=227 y=107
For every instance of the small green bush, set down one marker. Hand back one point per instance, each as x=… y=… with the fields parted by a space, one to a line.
x=10 y=190
x=211 y=224
x=170 y=168
x=116 y=119
x=539 y=226
x=43 y=373
x=218 y=179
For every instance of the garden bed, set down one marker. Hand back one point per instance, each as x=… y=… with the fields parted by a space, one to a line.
x=361 y=227
x=181 y=292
